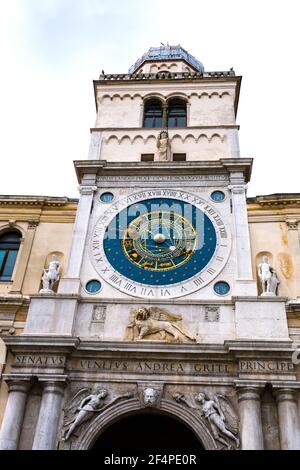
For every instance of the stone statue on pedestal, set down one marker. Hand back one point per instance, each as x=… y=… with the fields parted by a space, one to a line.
x=163 y=153
x=50 y=276
x=268 y=278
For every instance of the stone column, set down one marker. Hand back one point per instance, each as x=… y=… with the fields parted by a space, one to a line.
x=14 y=413
x=244 y=276
x=289 y=428
x=49 y=415
x=70 y=284
x=250 y=418
x=164 y=116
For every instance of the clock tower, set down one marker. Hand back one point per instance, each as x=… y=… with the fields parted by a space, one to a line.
x=158 y=313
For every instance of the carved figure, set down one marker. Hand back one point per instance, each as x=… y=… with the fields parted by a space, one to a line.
x=51 y=275
x=163 y=153
x=273 y=282
x=220 y=415
x=153 y=320
x=88 y=406
x=268 y=277
x=149 y=396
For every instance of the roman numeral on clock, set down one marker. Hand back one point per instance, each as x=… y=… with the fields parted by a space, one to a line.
x=219 y=258
x=130 y=287
x=198 y=281
x=211 y=271
x=115 y=279
x=105 y=270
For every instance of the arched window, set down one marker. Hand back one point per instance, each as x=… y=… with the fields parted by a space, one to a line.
x=176 y=113
x=9 y=247
x=153 y=113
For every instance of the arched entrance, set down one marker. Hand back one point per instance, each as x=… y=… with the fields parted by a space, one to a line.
x=148 y=432
x=187 y=418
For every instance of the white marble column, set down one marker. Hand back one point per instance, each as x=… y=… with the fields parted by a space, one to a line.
x=49 y=415
x=250 y=418
x=14 y=413
x=289 y=428
x=70 y=283
x=245 y=284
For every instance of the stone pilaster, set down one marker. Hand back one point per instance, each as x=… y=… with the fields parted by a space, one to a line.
x=288 y=417
x=233 y=141
x=250 y=418
x=24 y=254
x=245 y=284
x=49 y=415
x=14 y=412
x=95 y=145
x=70 y=283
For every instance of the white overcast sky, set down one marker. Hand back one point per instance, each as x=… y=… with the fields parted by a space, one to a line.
x=51 y=50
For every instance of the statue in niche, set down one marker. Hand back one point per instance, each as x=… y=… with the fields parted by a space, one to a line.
x=219 y=413
x=50 y=275
x=163 y=153
x=150 y=396
x=152 y=320
x=268 y=278
x=82 y=410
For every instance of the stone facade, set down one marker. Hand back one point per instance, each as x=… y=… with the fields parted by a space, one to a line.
x=223 y=363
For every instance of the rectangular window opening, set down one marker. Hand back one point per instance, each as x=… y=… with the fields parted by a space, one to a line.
x=147 y=157
x=179 y=157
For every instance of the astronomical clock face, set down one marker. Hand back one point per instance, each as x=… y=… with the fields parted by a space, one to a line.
x=160 y=244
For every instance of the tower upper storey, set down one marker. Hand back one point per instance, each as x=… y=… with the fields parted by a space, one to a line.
x=167 y=89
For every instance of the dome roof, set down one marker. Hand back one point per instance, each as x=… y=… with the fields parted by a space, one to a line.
x=168 y=53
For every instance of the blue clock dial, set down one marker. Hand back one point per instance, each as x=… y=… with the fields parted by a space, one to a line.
x=160 y=241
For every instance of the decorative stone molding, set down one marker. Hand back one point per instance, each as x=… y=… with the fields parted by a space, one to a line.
x=87 y=190
x=237 y=188
x=285 y=394
x=249 y=393
x=292 y=224
x=99 y=313
x=212 y=313
x=7 y=330
x=32 y=224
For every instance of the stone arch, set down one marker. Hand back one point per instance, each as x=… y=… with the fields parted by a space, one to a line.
x=155 y=95
x=178 y=95
x=125 y=408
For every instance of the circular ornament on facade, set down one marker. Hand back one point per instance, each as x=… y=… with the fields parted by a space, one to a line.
x=106 y=197
x=221 y=288
x=217 y=196
x=160 y=244
x=93 y=287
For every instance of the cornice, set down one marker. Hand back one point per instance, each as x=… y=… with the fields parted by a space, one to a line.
x=221 y=166
x=273 y=201
x=42 y=201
